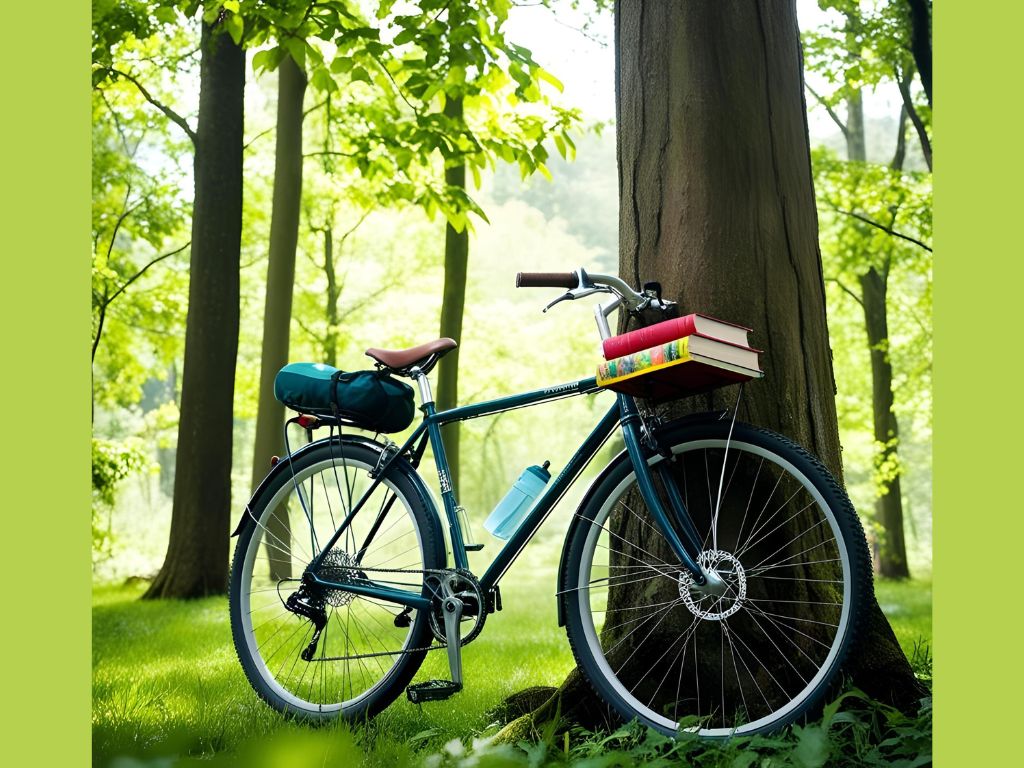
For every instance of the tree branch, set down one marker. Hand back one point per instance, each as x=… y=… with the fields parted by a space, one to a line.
x=846 y=290
x=331 y=152
x=142 y=271
x=126 y=211
x=108 y=300
x=888 y=230
x=899 y=156
x=831 y=112
x=261 y=134
x=915 y=119
x=171 y=115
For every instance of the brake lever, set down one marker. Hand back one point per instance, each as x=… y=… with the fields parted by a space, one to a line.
x=575 y=293
x=565 y=296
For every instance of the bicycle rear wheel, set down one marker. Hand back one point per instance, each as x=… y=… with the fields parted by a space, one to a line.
x=368 y=650
x=785 y=540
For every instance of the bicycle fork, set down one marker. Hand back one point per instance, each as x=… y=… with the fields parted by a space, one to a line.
x=675 y=519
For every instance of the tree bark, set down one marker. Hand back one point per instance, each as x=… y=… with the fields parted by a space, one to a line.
x=196 y=563
x=277 y=312
x=915 y=120
x=456 y=258
x=716 y=202
x=899 y=155
x=333 y=294
x=921 y=42
x=888 y=503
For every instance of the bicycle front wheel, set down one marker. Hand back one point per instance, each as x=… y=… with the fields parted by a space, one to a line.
x=367 y=650
x=762 y=649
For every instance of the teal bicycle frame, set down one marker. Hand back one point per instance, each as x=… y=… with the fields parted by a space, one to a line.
x=640 y=448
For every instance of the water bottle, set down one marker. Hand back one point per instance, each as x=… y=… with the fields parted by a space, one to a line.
x=512 y=510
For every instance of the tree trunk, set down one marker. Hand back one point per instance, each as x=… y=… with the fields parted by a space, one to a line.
x=892 y=560
x=456 y=257
x=888 y=504
x=333 y=293
x=196 y=563
x=277 y=313
x=921 y=42
x=716 y=203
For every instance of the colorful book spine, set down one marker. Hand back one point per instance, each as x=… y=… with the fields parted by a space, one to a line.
x=644 y=361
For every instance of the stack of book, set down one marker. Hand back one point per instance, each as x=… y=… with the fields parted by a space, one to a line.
x=678 y=357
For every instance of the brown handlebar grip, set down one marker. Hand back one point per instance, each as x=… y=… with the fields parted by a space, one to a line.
x=547 y=280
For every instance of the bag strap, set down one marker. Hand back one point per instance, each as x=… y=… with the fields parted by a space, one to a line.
x=335 y=377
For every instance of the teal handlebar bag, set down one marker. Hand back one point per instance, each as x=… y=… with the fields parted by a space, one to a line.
x=371 y=400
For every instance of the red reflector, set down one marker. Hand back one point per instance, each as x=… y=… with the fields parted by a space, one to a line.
x=274 y=460
x=307 y=422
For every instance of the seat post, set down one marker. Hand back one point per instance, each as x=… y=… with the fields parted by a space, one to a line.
x=426 y=396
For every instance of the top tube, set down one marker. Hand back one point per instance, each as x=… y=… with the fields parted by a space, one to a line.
x=487 y=407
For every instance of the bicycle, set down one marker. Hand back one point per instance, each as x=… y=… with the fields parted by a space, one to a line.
x=711 y=579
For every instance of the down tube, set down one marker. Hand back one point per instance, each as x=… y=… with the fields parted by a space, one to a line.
x=551 y=496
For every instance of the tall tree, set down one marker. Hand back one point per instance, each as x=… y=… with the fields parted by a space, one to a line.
x=716 y=203
x=871 y=265
x=284 y=236
x=456 y=261
x=196 y=562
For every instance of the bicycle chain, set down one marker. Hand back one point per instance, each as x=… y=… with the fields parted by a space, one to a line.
x=435 y=647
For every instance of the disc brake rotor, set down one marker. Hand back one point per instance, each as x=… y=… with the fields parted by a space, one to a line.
x=705 y=605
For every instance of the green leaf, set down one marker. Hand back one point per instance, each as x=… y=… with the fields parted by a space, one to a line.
x=360 y=75
x=297 y=49
x=323 y=81
x=267 y=60
x=231 y=5
x=560 y=146
x=547 y=77
x=165 y=15
x=234 y=26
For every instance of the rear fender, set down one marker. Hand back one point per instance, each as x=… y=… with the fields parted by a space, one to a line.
x=401 y=464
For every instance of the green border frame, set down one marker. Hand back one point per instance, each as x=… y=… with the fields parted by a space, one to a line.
x=978 y=279
x=46 y=645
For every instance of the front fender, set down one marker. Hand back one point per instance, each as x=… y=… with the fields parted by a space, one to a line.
x=284 y=465
x=598 y=482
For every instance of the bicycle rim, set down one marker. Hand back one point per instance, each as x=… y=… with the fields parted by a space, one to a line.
x=362 y=647
x=748 y=660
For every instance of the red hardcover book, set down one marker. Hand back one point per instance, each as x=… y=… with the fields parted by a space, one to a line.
x=670 y=330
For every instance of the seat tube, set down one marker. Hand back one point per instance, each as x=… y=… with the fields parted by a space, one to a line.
x=630 y=421
x=444 y=478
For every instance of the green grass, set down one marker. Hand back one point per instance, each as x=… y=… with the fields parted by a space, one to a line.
x=908 y=606
x=166 y=682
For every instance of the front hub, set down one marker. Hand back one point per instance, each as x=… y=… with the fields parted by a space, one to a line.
x=725 y=590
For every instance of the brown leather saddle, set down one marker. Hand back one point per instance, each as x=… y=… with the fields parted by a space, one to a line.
x=403 y=361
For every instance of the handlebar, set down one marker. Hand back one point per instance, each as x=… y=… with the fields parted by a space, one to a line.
x=547 y=280
x=580 y=283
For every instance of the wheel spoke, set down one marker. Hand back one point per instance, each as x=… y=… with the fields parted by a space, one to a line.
x=360 y=646
x=764 y=658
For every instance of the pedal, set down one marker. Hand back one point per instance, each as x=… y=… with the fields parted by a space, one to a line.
x=432 y=690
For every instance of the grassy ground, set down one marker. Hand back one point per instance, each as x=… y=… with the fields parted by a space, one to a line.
x=166 y=681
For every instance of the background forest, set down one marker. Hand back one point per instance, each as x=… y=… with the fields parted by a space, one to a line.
x=360 y=226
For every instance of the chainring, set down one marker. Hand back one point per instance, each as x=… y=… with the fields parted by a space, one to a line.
x=467 y=588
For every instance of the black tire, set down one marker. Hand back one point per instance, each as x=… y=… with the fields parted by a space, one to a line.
x=772 y=645
x=268 y=638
